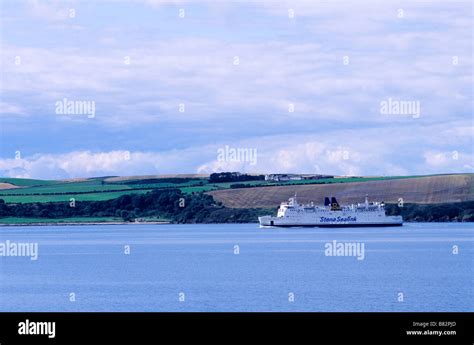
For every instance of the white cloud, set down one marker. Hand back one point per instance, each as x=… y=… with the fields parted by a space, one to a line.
x=89 y=164
x=11 y=109
x=158 y=3
x=209 y=87
x=445 y=161
x=51 y=10
x=339 y=152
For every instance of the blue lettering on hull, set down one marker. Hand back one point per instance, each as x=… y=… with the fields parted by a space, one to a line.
x=338 y=219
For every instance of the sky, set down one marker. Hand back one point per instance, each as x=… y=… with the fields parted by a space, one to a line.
x=325 y=87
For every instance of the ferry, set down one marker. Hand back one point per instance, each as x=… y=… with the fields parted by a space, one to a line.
x=331 y=214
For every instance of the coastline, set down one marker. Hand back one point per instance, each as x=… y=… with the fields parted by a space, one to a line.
x=81 y=223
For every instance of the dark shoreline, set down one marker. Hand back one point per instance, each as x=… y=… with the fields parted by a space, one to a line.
x=84 y=223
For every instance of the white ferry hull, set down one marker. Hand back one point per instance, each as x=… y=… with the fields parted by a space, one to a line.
x=293 y=214
x=269 y=221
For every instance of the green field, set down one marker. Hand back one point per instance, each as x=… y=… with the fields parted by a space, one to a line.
x=67 y=187
x=26 y=181
x=66 y=197
x=98 y=189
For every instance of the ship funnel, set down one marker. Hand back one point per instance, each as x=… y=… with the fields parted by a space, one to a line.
x=334 y=201
x=326 y=201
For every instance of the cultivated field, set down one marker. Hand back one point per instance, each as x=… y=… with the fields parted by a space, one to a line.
x=424 y=190
x=259 y=193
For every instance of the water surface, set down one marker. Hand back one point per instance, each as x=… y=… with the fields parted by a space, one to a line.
x=412 y=268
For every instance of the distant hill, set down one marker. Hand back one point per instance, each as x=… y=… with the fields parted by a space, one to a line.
x=419 y=190
x=158 y=198
x=449 y=188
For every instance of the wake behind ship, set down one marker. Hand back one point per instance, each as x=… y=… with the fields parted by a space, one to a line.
x=331 y=214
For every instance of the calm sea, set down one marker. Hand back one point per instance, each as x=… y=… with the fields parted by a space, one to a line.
x=239 y=267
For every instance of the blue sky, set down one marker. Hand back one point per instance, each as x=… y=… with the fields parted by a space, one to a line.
x=332 y=62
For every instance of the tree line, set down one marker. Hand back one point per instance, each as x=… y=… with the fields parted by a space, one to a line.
x=448 y=212
x=233 y=177
x=162 y=203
